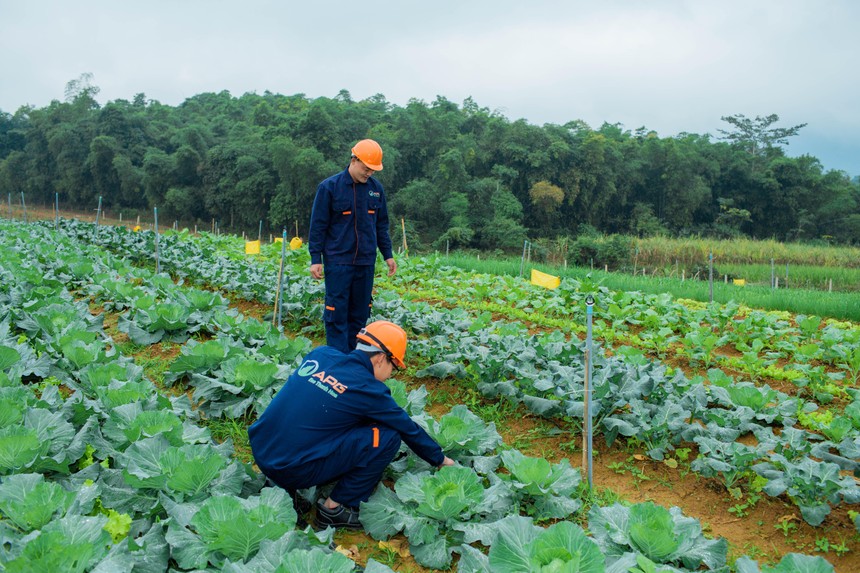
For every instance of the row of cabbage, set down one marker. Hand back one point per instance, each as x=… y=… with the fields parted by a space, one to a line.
x=659 y=411
x=142 y=464
x=819 y=352
x=634 y=398
x=498 y=355
x=821 y=355
x=99 y=471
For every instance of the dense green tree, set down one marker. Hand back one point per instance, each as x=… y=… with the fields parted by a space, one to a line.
x=546 y=200
x=756 y=136
x=100 y=162
x=158 y=168
x=299 y=171
x=495 y=215
x=458 y=175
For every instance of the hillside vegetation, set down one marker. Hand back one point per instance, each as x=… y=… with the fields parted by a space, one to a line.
x=458 y=175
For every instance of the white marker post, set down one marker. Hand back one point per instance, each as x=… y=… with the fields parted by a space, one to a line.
x=523 y=260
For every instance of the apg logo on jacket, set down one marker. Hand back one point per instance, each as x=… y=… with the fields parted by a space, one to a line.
x=310 y=369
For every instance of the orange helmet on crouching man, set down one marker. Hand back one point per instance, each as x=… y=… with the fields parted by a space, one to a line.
x=388 y=337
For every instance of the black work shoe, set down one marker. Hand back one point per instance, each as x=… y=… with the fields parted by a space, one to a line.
x=300 y=504
x=341 y=517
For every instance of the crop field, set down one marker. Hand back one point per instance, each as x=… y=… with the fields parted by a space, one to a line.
x=726 y=438
x=844 y=305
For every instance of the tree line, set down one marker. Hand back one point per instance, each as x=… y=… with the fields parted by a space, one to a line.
x=459 y=175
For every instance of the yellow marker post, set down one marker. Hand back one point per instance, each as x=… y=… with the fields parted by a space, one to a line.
x=545 y=280
x=252 y=247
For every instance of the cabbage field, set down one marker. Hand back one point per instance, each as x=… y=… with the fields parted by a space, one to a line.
x=726 y=438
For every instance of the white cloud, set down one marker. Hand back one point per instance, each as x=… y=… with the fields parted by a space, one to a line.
x=669 y=65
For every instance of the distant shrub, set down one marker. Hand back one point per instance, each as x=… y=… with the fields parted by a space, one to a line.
x=613 y=251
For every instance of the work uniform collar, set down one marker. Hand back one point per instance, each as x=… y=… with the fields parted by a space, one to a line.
x=364 y=359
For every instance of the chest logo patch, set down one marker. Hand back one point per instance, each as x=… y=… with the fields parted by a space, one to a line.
x=308 y=368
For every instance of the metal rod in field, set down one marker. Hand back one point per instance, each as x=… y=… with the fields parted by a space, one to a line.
x=157 y=262
x=260 y=233
x=56 y=210
x=523 y=261
x=281 y=297
x=99 y=211
x=24 y=206
x=586 y=399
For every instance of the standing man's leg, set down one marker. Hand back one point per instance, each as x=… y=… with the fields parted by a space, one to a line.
x=338 y=283
x=360 y=297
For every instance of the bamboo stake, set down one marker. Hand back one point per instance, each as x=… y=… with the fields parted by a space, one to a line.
x=275 y=313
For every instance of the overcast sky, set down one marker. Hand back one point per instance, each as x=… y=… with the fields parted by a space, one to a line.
x=671 y=66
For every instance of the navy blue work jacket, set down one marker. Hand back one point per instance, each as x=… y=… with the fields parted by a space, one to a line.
x=330 y=393
x=349 y=221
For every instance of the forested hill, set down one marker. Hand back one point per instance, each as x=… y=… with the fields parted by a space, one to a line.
x=460 y=173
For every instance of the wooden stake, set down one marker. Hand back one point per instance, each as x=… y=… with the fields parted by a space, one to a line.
x=403 y=229
x=280 y=279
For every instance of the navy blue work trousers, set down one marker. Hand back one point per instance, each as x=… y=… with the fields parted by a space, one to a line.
x=357 y=465
x=348 y=290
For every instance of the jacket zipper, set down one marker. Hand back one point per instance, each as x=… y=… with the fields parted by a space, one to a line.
x=355 y=220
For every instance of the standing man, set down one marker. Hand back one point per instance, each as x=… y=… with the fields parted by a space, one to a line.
x=349 y=221
x=334 y=419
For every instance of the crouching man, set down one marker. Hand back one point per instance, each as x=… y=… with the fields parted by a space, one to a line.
x=335 y=420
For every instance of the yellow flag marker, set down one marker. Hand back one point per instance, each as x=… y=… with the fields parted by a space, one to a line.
x=739 y=282
x=252 y=247
x=545 y=280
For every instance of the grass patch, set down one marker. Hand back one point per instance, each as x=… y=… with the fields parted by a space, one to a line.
x=235 y=430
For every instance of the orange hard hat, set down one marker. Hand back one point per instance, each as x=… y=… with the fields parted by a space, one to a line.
x=388 y=337
x=370 y=153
